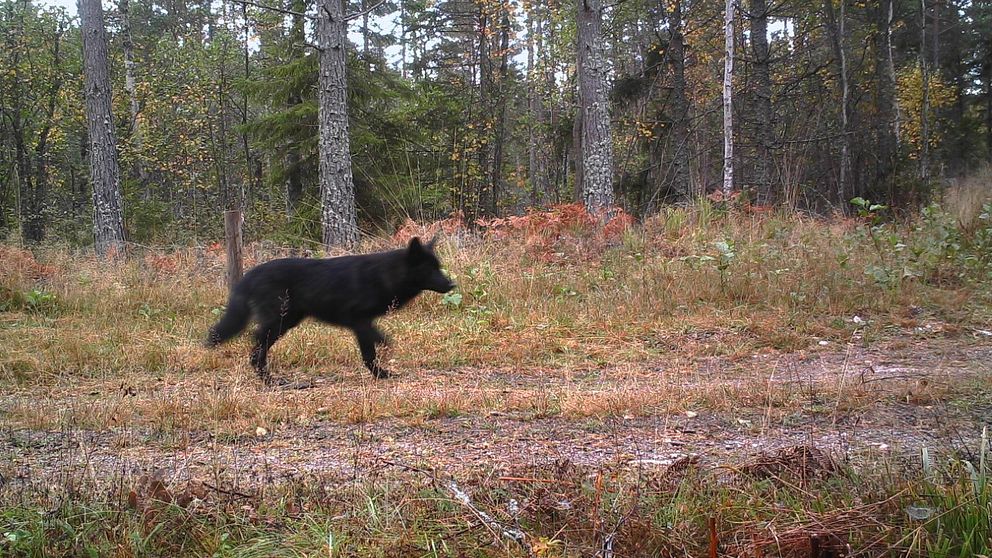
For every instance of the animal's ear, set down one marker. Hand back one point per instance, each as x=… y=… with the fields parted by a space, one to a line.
x=430 y=245
x=415 y=248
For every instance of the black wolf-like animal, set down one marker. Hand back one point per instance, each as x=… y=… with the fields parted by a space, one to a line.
x=347 y=291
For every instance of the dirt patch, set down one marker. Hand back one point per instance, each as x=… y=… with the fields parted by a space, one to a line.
x=919 y=394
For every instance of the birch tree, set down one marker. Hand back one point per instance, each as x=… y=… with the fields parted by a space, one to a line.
x=728 y=100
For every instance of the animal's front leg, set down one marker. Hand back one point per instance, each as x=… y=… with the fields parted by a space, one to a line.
x=368 y=337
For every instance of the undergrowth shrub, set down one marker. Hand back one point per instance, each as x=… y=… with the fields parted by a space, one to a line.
x=549 y=288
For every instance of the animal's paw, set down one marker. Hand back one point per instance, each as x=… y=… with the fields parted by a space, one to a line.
x=381 y=373
x=272 y=382
x=211 y=341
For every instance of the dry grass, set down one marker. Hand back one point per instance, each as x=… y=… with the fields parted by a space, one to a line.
x=717 y=319
x=571 y=323
x=966 y=197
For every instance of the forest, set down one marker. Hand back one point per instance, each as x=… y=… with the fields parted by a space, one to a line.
x=476 y=108
x=704 y=278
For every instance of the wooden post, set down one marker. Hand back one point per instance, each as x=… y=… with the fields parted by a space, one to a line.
x=232 y=235
x=714 y=540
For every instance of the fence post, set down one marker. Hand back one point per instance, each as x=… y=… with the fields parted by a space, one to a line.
x=233 y=240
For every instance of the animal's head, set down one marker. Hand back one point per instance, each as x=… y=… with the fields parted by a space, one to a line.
x=425 y=268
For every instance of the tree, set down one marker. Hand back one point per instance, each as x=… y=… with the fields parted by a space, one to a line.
x=493 y=44
x=294 y=174
x=108 y=206
x=130 y=87
x=925 y=108
x=762 y=116
x=728 y=100
x=886 y=104
x=339 y=220
x=837 y=29
x=596 y=142
x=29 y=110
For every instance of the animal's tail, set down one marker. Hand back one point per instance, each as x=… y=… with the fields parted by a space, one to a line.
x=232 y=322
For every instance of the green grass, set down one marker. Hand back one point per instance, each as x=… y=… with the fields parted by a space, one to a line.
x=772 y=510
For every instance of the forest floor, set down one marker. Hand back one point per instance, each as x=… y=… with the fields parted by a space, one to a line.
x=708 y=383
x=856 y=403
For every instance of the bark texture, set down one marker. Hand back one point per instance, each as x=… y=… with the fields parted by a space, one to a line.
x=108 y=207
x=728 y=100
x=596 y=152
x=764 y=126
x=886 y=107
x=837 y=27
x=339 y=219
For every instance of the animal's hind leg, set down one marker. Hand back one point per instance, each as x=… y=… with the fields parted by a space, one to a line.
x=368 y=337
x=265 y=336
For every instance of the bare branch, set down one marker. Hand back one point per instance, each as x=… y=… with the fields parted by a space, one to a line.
x=513 y=533
x=274 y=9
x=357 y=15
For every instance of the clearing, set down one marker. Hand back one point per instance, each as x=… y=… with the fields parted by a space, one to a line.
x=856 y=403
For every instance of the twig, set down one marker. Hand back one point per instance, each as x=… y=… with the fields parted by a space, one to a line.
x=228 y=492
x=274 y=9
x=531 y=479
x=515 y=534
x=357 y=15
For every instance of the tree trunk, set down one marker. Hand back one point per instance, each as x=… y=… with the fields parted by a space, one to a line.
x=485 y=73
x=492 y=100
x=728 y=101
x=988 y=114
x=838 y=39
x=596 y=150
x=668 y=156
x=339 y=218
x=294 y=176
x=533 y=111
x=403 y=38
x=886 y=105
x=130 y=87
x=365 y=30
x=763 y=114
x=499 y=113
x=222 y=152
x=108 y=206
x=925 y=108
x=37 y=221
x=680 y=106
x=250 y=178
x=935 y=31
x=896 y=125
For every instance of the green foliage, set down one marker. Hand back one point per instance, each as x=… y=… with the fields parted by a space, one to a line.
x=868 y=210
x=956 y=515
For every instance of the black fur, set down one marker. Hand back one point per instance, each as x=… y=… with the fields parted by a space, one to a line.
x=348 y=291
